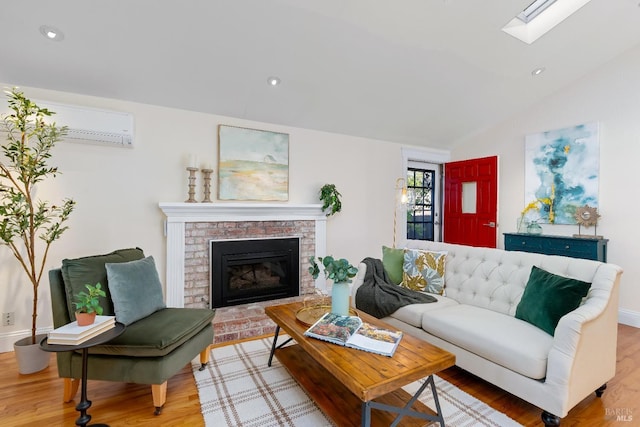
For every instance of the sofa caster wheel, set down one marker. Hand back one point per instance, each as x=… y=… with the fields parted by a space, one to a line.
x=202 y=367
x=601 y=390
x=158 y=410
x=550 y=420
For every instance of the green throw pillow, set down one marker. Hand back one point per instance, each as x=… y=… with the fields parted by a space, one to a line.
x=392 y=260
x=547 y=297
x=90 y=270
x=135 y=289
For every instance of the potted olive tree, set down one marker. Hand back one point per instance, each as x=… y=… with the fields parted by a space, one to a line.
x=28 y=226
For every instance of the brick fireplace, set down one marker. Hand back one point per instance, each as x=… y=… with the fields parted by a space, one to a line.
x=189 y=228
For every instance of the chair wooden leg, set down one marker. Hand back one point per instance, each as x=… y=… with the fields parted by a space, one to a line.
x=70 y=389
x=159 y=393
x=204 y=357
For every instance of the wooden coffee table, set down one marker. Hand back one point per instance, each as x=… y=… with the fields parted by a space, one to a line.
x=341 y=379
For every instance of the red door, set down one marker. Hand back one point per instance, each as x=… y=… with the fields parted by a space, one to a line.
x=471 y=202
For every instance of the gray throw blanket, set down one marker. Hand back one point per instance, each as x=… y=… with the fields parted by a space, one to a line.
x=379 y=297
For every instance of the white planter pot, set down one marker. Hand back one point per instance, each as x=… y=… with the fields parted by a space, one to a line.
x=31 y=358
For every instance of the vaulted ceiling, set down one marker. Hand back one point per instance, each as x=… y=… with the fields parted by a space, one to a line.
x=421 y=72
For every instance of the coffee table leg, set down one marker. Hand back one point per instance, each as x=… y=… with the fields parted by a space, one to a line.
x=406 y=410
x=273 y=346
x=365 y=420
x=435 y=399
x=275 y=341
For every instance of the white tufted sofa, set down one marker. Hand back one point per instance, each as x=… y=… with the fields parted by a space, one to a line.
x=475 y=321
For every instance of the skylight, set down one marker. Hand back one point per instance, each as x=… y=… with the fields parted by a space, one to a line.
x=533 y=10
x=540 y=17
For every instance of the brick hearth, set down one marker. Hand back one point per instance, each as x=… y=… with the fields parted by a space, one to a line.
x=245 y=321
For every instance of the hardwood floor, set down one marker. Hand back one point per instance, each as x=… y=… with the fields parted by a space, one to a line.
x=36 y=399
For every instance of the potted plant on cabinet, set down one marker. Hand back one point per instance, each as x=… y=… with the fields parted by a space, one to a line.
x=88 y=304
x=28 y=226
x=340 y=272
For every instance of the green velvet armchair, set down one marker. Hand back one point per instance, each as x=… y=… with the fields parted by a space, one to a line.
x=151 y=350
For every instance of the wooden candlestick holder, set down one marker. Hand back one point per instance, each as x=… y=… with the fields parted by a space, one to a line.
x=207 y=185
x=192 y=185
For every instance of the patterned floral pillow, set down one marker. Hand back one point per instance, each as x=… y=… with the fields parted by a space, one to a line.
x=424 y=271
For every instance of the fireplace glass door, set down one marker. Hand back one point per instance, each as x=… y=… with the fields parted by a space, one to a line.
x=245 y=271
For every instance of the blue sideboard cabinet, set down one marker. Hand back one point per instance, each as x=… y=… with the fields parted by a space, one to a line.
x=575 y=247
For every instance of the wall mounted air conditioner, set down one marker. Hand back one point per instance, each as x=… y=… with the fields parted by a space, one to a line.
x=91 y=125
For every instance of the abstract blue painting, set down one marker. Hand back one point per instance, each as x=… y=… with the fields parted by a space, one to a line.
x=561 y=171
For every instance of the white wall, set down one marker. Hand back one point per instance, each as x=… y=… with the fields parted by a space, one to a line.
x=610 y=96
x=117 y=191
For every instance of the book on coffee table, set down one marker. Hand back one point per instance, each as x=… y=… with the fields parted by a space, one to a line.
x=351 y=331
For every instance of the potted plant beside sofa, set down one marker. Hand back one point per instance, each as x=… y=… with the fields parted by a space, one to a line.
x=340 y=272
x=28 y=226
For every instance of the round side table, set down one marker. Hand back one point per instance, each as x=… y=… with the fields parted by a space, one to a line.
x=104 y=337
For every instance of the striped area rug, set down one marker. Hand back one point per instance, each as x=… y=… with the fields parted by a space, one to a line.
x=239 y=389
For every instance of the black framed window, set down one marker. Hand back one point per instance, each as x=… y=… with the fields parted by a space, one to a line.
x=420 y=210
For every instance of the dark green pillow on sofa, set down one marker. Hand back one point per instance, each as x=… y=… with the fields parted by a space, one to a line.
x=547 y=297
x=392 y=260
x=91 y=270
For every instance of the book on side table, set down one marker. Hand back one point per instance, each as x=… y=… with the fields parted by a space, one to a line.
x=351 y=331
x=72 y=334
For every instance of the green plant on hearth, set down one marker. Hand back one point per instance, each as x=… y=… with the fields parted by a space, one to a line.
x=89 y=302
x=330 y=197
x=28 y=226
x=337 y=270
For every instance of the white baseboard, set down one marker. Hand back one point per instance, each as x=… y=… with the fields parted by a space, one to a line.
x=629 y=317
x=8 y=338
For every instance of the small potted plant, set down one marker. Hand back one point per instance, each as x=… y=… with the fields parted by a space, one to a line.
x=88 y=304
x=340 y=272
x=330 y=198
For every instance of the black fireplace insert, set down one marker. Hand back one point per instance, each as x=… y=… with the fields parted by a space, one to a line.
x=246 y=271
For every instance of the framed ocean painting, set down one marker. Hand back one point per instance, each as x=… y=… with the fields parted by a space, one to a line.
x=252 y=164
x=562 y=168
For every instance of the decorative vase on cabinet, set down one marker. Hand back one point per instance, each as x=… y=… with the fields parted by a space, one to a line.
x=534 y=228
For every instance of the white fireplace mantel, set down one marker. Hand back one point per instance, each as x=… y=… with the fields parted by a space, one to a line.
x=213 y=212
x=178 y=214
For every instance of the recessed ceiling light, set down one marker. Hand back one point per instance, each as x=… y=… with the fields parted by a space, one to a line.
x=537 y=71
x=273 y=81
x=52 y=33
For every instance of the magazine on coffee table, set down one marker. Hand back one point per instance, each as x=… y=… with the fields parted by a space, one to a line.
x=351 y=331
